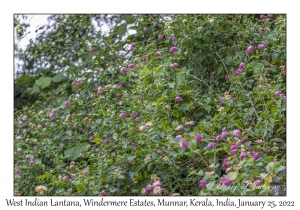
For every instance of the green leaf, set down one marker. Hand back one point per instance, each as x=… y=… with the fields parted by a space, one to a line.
x=122 y=28
x=130 y=158
x=200 y=173
x=43 y=82
x=264 y=175
x=97 y=140
x=279 y=169
x=33 y=90
x=160 y=100
x=270 y=167
x=171 y=85
x=121 y=177
x=74 y=152
x=129 y=18
x=59 y=77
x=232 y=175
x=80 y=187
x=257 y=67
x=191 y=173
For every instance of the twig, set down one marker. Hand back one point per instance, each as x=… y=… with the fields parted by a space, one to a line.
x=205 y=83
x=223 y=63
x=111 y=49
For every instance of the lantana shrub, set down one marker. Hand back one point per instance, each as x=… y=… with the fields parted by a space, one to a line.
x=195 y=104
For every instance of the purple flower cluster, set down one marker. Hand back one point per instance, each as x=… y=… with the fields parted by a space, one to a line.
x=243 y=155
x=123 y=70
x=92 y=49
x=102 y=192
x=131 y=66
x=242 y=65
x=255 y=155
x=224 y=165
x=189 y=123
x=178 y=137
x=219 y=138
x=106 y=140
x=52 y=114
x=233 y=149
x=174 y=65
x=122 y=115
x=258 y=182
x=133 y=114
x=261 y=46
x=277 y=94
x=224 y=181
x=160 y=151
x=178 y=99
x=65 y=177
x=183 y=144
x=250 y=49
x=201 y=184
x=149 y=39
x=160 y=36
x=66 y=103
x=32 y=160
x=236 y=133
x=211 y=145
x=238 y=71
x=242 y=140
x=157 y=53
x=198 y=137
x=222 y=136
x=145 y=58
x=173 y=49
x=85 y=172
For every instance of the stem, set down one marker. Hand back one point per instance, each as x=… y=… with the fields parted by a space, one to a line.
x=204 y=160
x=111 y=49
x=205 y=84
x=223 y=63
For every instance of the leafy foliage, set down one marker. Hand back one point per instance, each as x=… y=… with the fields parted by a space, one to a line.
x=182 y=100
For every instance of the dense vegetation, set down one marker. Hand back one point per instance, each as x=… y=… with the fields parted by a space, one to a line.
x=189 y=104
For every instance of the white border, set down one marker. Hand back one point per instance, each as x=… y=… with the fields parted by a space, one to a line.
x=152 y=6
